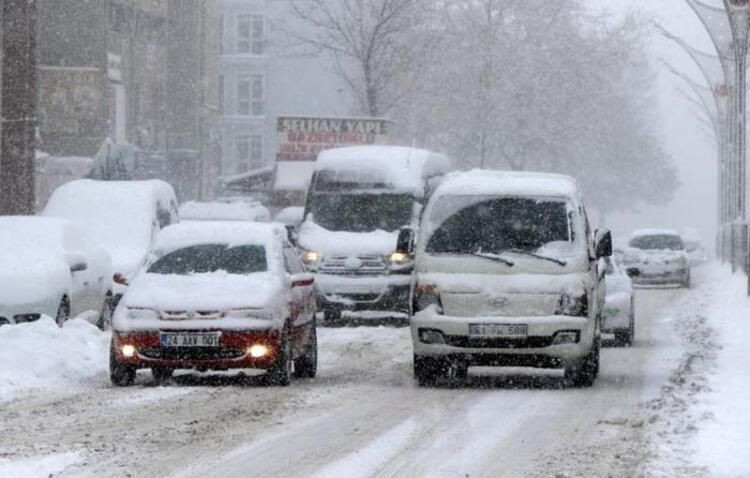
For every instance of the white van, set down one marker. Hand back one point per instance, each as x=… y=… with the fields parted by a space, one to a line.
x=506 y=274
x=124 y=217
x=358 y=200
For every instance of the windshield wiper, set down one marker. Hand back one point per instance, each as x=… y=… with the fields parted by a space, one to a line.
x=538 y=256
x=493 y=257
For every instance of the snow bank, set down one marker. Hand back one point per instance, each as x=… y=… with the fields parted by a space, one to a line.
x=724 y=442
x=41 y=354
x=38 y=467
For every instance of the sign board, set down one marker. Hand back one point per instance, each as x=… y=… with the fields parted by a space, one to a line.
x=70 y=101
x=302 y=138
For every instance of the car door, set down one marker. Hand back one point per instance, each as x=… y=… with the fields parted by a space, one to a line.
x=302 y=301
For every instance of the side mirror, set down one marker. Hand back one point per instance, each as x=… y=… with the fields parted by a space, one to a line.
x=291 y=234
x=76 y=261
x=633 y=272
x=302 y=280
x=405 y=241
x=603 y=243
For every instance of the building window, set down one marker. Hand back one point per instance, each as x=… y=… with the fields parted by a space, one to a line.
x=250 y=95
x=220 y=33
x=250 y=33
x=249 y=152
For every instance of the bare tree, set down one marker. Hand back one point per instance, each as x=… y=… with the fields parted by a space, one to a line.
x=373 y=43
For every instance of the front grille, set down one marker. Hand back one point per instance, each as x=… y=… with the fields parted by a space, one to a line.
x=192 y=353
x=370 y=264
x=190 y=314
x=497 y=343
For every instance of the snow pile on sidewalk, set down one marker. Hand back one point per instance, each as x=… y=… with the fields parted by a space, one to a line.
x=35 y=467
x=723 y=441
x=40 y=354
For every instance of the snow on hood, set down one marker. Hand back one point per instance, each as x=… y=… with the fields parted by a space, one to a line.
x=572 y=284
x=212 y=291
x=315 y=238
x=62 y=357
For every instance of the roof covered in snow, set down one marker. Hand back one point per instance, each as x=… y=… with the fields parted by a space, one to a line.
x=399 y=166
x=189 y=234
x=293 y=175
x=492 y=182
x=224 y=211
x=654 y=232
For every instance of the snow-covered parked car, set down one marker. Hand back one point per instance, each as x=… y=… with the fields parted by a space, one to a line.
x=124 y=217
x=657 y=257
x=506 y=274
x=217 y=296
x=358 y=200
x=618 y=317
x=224 y=210
x=49 y=267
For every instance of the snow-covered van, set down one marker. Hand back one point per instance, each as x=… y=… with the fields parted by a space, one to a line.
x=358 y=200
x=506 y=274
x=123 y=217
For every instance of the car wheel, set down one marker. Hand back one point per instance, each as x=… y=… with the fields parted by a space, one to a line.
x=105 y=318
x=687 y=282
x=280 y=373
x=332 y=317
x=63 y=312
x=161 y=374
x=306 y=366
x=120 y=375
x=582 y=372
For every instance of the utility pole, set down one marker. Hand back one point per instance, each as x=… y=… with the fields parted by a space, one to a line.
x=17 y=106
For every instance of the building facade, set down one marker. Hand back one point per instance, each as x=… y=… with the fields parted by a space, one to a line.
x=135 y=72
x=243 y=25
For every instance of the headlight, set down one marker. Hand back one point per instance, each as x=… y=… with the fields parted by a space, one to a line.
x=311 y=259
x=573 y=306
x=426 y=295
x=139 y=313
x=398 y=258
x=261 y=314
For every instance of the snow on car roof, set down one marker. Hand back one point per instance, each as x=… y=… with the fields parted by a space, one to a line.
x=654 y=232
x=493 y=182
x=31 y=232
x=400 y=166
x=188 y=234
x=224 y=211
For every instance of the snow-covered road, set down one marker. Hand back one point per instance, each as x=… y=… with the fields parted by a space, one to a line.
x=364 y=416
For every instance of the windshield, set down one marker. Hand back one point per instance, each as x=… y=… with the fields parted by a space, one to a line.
x=361 y=212
x=658 y=242
x=212 y=258
x=501 y=224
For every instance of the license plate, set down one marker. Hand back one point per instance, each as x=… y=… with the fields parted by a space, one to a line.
x=206 y=339
x=497 y=330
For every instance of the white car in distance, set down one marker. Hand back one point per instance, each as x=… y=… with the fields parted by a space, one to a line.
x=657 y=257
x=50 y=268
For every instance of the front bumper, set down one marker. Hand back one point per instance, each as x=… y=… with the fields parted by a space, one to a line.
x=365 y=293
x=538 y=348
x=232 y=353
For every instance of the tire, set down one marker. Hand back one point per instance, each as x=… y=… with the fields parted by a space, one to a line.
x=105 y=318
x=427 y=370
x=280 y=373
x=583 y=372
x=120 y=375
x=625 y=338
x=332 y=317
x=306 y=366
x=161 y=374
x=63 y=312
x=687 y=282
